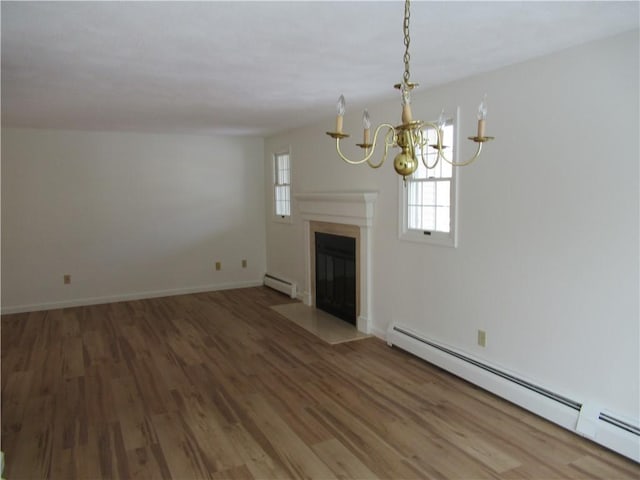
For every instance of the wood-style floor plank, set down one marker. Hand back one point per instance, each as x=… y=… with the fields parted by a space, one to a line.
x=219 y=386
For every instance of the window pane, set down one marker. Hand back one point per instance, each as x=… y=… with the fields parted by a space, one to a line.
x=421 y=172
x=283 y=169
x=280 y=193
x=421 y=193
x=414 y=220
x=443 y=193
x=428 y=193
x=442 y=219
x=428 y=220
x=446 y=170
x=421 y=198
x=282 y=200
x=286 y=170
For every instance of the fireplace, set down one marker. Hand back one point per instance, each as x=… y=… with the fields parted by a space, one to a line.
x=336 y=275
x=350 y=215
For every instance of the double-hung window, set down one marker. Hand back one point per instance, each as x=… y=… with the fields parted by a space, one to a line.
x=428 y=197
x=282 y=185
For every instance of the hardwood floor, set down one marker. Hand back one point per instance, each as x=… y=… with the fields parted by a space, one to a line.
x=218 y=385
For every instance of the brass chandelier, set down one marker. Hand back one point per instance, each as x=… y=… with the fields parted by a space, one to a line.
x=410 y=136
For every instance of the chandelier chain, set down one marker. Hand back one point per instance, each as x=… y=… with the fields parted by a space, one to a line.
x=407 y=41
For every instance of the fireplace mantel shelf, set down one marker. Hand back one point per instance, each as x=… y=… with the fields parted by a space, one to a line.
x=338 y=196
x=354 y=208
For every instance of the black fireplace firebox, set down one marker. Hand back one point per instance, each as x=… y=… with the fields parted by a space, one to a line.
x=336 y=275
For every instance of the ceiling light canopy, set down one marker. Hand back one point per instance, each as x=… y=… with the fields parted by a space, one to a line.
x=410 y=136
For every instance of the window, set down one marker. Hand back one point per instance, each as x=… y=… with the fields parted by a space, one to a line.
x=282 y=184
x=428 y=197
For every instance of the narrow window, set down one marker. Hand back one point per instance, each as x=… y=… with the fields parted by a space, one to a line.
x=282 y=184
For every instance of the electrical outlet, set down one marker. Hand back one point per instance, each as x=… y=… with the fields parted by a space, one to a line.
x=66 y=279
x=482 y=338
x=218 y=265
x=244 y=264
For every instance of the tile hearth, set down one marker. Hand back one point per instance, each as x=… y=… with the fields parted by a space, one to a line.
x=323 y=325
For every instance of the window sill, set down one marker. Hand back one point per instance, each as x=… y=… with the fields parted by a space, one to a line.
x=282 y=219
x=431 y=238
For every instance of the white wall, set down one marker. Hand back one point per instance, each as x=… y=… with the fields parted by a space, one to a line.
x=548 y=256
x=127 y=215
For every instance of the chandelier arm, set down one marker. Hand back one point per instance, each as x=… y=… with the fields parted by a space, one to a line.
x=341 y=155
x=434 y=126
x=423 y=143
x=466 y=162
x=384 y=157
x=424 y=160
x=389 y=141
x=370 y=154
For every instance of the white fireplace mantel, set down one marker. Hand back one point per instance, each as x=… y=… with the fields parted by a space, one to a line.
x=351 y=208
x=345 y=208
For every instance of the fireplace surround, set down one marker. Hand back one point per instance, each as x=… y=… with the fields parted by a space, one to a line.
x=348 y=214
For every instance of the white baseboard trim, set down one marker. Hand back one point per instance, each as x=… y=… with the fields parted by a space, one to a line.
x=377 y=332
x=79 y=302
x=568 y=415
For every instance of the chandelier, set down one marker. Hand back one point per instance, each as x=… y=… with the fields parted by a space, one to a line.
x=410 y=136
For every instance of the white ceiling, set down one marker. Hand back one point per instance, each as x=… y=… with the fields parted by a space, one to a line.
x=259 y=67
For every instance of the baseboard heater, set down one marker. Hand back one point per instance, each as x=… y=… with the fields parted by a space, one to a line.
x=280 y=284
x=583 y=418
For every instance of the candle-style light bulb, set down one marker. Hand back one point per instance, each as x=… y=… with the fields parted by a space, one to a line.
x=441 y=123
x=482 y=108
x=366 y=124
x=482 y=116
x=340 y=108
x=407 y=116
x=366 y=120
x=442 y=120
x=341 y=105
x=405 y=94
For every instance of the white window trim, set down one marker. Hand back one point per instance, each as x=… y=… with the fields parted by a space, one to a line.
x=434 y=238
x=281 y=218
